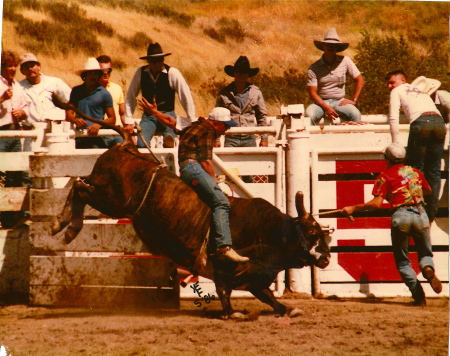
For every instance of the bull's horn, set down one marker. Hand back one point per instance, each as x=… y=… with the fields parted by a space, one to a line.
x=299 y=204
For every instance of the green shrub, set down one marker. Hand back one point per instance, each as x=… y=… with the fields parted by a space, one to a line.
x=138 y=41
x=214 y=34
x=376 y=56
x=231 y=28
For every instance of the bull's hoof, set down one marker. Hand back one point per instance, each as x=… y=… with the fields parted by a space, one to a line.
x=292 y=313
x=238 y=316
x=235 y=316
x=70 y=234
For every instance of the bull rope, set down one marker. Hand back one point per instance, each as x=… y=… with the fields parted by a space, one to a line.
x=350 y=217
x=161 y=166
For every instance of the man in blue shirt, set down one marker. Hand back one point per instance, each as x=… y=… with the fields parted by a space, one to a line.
x=93 y=100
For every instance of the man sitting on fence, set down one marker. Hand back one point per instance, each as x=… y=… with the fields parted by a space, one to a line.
x=326 y=83
x=14 y=111
x=93 y=100
x=404 y=187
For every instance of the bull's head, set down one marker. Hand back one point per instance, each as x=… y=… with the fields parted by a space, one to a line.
x=311 y=235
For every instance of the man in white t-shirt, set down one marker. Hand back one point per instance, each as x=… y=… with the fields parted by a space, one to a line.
x=426 y=135
x=38 y=90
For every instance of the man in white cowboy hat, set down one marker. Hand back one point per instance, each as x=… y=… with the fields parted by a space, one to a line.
x=404 y=187
x=245 y=102
x=93 y=100
x=326 y=83
x=160 y=82
x=427 y=130
x=38 y=90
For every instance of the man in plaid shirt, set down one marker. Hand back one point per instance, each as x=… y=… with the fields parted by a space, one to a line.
x=197 y=170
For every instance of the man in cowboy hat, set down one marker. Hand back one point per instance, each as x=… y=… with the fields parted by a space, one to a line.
x=158 y=80
x=245 y=102
x=326 y=83
x=427 y=130
x=93 y=100
x=38 y=90
x=404 y=186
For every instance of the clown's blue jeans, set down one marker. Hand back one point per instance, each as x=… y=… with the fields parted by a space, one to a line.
x=412 y=222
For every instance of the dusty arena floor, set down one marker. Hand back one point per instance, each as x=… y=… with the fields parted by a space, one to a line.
x=326 y=327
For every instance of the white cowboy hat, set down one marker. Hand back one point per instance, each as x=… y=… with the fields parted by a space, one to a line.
x=426 y=85
x=90 y=65
x=331 y=37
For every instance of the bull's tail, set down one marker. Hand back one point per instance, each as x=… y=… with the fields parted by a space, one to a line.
x=127 y=140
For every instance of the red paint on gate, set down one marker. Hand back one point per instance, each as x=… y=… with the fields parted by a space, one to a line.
x=352 y=193
x=371 y=266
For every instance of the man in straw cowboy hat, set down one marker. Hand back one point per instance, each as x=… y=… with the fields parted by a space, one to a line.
x=427 y=129
x=93 y=100
x=326 y=82
x=158 y=80
x=404 y=186
x=245 y=102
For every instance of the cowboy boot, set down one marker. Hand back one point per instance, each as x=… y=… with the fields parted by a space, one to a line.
x=228 y=253
x=428 y=273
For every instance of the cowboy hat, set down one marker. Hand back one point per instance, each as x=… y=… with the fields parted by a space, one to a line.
x=242 y=65
x=331 y=37
x=154 y=50
x=426 y=85
x=223 y=115
x=90 y=65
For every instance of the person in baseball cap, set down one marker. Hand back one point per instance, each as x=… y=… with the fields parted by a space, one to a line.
x=197 y=171
x=404 y=188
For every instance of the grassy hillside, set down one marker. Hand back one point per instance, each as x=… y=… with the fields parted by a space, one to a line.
x=205 y=35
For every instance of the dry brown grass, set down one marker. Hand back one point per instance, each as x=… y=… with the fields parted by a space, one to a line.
x=279 y=37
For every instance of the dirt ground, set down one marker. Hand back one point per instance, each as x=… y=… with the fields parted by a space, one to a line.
x=389 y=326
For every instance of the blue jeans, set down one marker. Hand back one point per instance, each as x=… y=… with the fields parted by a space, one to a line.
x=240 y=141
x=210 y=193
x=406 y=222
x=346 y=112
x=149 y=125
x=13 y=178
x=424 y=152
x=110 y=141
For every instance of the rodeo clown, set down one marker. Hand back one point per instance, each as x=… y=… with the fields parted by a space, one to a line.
x=197 y=171
x=404 y=186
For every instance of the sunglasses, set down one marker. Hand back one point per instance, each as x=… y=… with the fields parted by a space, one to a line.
x=108 y=71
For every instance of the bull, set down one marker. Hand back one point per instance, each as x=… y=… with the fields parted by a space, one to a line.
x=173 y=222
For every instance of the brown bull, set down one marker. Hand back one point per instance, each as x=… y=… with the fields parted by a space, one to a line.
x=173 y=222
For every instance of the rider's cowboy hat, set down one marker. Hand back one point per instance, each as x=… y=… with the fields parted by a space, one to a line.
x=331 y=37
x=154 y=50
x=426 y=85
x=90 y=65
x=242 y=65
